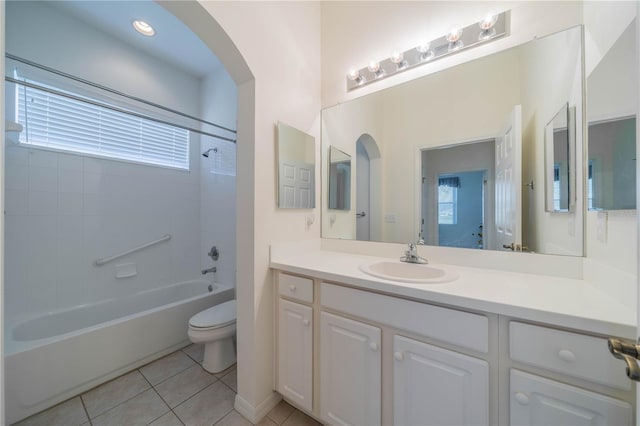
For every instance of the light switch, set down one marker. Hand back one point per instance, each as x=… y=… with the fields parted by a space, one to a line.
x=390 y=218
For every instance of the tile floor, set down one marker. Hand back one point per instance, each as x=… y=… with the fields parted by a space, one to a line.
x=174 y=390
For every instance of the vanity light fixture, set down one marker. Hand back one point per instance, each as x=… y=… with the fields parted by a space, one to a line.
x=143 y=28
x=492 y=26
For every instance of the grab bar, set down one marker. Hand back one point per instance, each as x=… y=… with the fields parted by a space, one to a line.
x=102 y=261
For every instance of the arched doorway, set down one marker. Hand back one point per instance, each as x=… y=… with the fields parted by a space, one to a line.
x=368 y=189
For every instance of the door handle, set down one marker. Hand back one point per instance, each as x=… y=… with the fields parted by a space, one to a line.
x=508 y=246
x=362 y=214
x=628 y=351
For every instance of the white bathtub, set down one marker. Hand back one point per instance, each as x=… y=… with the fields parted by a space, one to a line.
x=58 y=355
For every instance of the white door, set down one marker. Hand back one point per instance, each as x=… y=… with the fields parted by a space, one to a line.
x=435 y=386
x=508 y=214
x=538 y=401
x=363 y=191
x=295 y=353
x=350 y=372
x=295 y=185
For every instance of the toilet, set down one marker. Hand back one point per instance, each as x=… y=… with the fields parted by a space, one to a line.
x=216 y=328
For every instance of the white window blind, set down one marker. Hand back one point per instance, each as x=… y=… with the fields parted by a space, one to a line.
x=54 y=121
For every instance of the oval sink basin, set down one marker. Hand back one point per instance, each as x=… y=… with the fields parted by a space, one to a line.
x=408 y=272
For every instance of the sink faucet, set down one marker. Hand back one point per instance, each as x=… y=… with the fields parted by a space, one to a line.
x=412 y=256
x=206 y=271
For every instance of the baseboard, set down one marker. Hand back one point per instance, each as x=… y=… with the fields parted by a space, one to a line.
x=255 y=414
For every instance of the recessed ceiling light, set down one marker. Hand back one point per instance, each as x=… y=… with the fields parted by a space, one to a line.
x=143 y=28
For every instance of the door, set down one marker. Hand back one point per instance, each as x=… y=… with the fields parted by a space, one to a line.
x=296 y=184
x=363 y=191
x=435 y=386
x=538 y=401
x=350 y=372
x=508 y=197
x=295 y=353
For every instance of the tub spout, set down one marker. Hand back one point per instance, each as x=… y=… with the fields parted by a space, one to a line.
x=206 y=271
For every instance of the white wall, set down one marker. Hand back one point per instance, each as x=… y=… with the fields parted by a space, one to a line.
x=218 y=185
x=2 y=164
x=64 y=211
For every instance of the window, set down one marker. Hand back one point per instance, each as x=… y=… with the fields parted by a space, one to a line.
x=448 y=200
x=57 y=122
x=556 y=187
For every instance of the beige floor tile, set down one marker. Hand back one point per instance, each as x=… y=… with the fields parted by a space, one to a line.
x=280 y=412
x=266 y=421
x=207 y=407
x=168 y=419
x=233 y=419
x=140 y=410
x=112 y=393
x=195 y=352
x=166 y=367
x=184 y=385
x=226 y=371
x=231 y=379
x=298 y=418
x=69 y=413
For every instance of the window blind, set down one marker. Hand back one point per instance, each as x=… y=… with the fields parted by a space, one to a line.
x=53 y=121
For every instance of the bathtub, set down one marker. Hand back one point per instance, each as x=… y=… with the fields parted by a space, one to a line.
x=56 y=356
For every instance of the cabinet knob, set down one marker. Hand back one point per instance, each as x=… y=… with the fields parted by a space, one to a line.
x=373 y=346
x=306 y=322
x=522 y=398
x=292 y=288
x=398 y=356
x=566 y=355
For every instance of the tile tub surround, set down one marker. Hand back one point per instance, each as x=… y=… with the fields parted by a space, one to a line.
x=174 y=390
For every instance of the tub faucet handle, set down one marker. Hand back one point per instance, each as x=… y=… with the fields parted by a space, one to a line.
x=214 y=254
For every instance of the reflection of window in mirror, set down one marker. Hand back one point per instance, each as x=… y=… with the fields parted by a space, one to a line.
x=448 y=200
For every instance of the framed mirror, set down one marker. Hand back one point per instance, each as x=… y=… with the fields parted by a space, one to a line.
x=296 y=168
x=339 y=179
x=559 y=162
x=506 y=98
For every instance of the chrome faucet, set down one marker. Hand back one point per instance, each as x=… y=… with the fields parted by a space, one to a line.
x=206 y=271
x=412 y=256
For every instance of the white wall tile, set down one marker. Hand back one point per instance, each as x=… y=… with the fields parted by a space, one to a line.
x=70 y=162
x=43 y=203
x=16 y=176
x=70 y=204
x=16 y=202
x=42 y=158
x=70 y=180
x=16 y=154
x=92 y=182
x=43 y=178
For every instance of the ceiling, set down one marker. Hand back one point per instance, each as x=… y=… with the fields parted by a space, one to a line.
x=174 y=42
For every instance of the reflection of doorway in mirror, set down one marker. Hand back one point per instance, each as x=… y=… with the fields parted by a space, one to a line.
x=368 y=191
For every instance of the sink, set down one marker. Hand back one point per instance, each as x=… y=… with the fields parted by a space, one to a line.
x=408 y=272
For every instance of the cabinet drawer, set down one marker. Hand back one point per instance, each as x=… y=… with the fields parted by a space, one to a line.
x=295 y=287
x=447 y=325
x=573 y=354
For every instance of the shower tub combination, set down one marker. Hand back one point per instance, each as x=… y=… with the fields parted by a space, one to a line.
x=56 y=356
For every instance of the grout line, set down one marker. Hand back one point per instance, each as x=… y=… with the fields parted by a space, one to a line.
x=84 y=407
x=117 y=405
x=165 y=403
x=222 y=418
x=290 y=414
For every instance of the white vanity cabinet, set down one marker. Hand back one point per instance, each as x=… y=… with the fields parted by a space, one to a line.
x=436 y=386
x=350 y=371
x=295 y=341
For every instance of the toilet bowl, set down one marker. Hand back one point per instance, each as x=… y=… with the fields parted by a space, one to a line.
x=216 y=328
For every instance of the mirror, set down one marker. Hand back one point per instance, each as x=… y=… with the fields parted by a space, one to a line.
x=611 y=182
x=558 y=162
x=296 y=168
x=339 y=180
x=505 y=99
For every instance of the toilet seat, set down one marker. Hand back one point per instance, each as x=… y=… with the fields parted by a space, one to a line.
x=217 y=316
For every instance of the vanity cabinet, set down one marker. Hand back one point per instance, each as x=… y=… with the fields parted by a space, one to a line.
x=295 y=341
x=350 y=371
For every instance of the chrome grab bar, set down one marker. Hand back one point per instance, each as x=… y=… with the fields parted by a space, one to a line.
x=102 y=261
x=628 y=351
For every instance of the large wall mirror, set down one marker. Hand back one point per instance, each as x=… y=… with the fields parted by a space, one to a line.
x=612 y=108
x=457 y=158
x=296 y=168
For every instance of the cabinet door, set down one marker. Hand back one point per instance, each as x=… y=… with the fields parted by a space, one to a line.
x=295 y=352
x=435 y=386
x=538 y=401
x=350 y=372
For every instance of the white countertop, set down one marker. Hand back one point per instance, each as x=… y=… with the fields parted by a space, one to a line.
x=564 y=302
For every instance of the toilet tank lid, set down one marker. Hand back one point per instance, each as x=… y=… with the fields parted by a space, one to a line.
x=216 y=315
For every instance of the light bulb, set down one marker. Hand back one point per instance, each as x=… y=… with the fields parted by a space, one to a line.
x=488 y=21
x=353 y=74
x=486 y=34
x=374 y=66
x=454 y=35
x=396 y=57
x=143 y=28
x=457 y=45
x=423 y=47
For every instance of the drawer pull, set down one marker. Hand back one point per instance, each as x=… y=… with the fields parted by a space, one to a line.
x=306 y=322
x=373 y=346
x=398 y=356
x=522 y=398
x=292 y=288
x=566 y=355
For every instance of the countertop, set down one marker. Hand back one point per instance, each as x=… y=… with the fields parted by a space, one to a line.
x=563 y=302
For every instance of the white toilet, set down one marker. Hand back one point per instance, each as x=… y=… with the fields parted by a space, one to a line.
x=216 y=328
